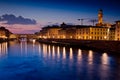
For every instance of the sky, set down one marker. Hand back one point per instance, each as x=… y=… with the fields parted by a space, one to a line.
x=29 y=16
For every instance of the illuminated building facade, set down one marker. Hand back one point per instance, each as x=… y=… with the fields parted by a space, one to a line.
x=50 y=32
x=2 y=34
x=76 y=32
x=102 y=31
x=117 y=31
x=92 y=33
x=68 y=33
x=112 y=33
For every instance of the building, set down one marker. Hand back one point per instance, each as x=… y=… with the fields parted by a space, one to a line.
x=49 y=32
x=102 y=31
x=117 y=30
x=4 y=33
x=100 y=20
x=71 y=33
x=92 y=33
x=76 y=32
x=82 y=32
x=112 y=33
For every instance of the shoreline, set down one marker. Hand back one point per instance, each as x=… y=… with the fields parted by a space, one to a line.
x=5 y=40
x=112 y=47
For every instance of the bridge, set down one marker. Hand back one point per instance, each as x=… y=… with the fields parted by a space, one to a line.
x=24 y=36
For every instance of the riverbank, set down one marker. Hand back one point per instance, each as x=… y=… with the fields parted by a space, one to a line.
x=112 y=47
x=5 y=40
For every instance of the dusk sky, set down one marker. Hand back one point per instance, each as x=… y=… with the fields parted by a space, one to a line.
x=28 y=16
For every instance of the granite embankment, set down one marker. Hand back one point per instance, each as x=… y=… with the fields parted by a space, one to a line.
x=98 y=45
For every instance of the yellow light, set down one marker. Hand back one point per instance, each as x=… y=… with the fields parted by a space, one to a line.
x=33 y=40
x=70 y=36
x=90 y=37
x=53 y=36
x=39 y=36
x=63 y=36
x=44 y=37
x=105 y=37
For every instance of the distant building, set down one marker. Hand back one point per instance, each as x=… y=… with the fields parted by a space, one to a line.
x=4 y=33
x=100 y=20
x=117 y=30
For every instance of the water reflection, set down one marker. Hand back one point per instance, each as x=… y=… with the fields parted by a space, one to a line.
x=79 y=56
x=3 y=48
x=49 y=50
x=90 y=57
x=44 y=50
x=23 y=47
x=53 y=51
x=26 y=47
x=58 y=52
x=105 y=59
x=51 y=60
x=39 y=48
x=64 y=53
x=71 y=53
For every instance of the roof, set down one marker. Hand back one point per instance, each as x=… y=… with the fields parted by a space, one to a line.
x=89 y=26
x=117 y=21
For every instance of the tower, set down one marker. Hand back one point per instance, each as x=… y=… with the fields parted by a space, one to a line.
x=100 y=17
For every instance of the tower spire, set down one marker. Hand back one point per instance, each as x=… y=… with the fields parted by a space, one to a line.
x=100 y=16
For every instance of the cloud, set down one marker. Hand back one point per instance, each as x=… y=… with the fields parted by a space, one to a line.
x=12 y=19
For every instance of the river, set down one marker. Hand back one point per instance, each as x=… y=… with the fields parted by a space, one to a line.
x=38 y=61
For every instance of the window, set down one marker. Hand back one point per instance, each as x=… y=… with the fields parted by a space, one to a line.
x=118 y=35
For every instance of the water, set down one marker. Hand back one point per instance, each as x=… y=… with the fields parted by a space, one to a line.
x=37 y=61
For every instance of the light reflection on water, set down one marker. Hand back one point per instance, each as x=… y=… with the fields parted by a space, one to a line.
x=64 y=53
x=3 y=48
x=90 y=57
x=105 y=59
x=35 y=61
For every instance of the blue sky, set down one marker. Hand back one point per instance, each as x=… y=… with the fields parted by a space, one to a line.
x=57 y=11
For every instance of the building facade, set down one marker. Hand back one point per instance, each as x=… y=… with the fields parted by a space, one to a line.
x=76 y=32
x=117 y=30
x=49 y=32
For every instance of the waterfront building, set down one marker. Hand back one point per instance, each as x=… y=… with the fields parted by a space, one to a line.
x=102 y=31
x=92 y=33
x=76 y=32
x=117 y=30
x=13 y=36
x=50 y=32
x=68 y=33
x=82 y=32
x=2 y=34
x=62 y=33
x=112 y=33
